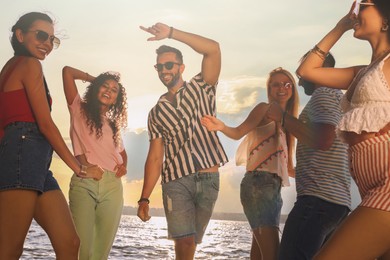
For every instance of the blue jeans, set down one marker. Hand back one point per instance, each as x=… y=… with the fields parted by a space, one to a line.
x=188 y=203
x=309 y=224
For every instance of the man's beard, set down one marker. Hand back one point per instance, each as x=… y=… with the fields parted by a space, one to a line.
x=173 y=81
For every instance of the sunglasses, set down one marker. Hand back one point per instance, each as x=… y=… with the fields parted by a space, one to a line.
x=43 y=36
x=360 y=5
x=286 y=85
x=168 y=65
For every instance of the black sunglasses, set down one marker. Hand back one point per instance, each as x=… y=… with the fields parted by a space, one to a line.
x=168 y=65
x=42 y=36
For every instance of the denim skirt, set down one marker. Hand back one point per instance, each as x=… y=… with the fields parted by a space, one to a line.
x=25 y=157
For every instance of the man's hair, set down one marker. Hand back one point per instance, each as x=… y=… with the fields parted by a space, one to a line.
x=308 y=86
x=164 y=48
x=329 y=61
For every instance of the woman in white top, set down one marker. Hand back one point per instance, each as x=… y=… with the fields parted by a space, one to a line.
x=267 y=153
x=365 y=126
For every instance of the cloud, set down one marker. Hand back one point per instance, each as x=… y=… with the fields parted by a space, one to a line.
x=240 y=94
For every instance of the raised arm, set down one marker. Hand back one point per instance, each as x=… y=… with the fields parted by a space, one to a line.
x=33 y=82
x=254 y=118
x=153 y=167
x=311 y=67
x=69 y=77
x=211 y=63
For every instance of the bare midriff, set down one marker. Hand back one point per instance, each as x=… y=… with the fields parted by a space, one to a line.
x=211 y=169
x=353 y=138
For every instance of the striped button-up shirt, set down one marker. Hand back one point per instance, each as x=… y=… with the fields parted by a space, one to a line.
x=189 y=147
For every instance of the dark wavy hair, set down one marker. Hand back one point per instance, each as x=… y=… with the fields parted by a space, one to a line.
x=24 y=24
x=383 y=7
x=117 y=113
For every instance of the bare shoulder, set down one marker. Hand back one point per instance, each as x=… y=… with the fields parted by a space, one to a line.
x=30 y=69
x=30 y=63
x=261 y=107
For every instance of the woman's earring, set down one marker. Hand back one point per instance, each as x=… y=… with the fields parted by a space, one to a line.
x=385 y=26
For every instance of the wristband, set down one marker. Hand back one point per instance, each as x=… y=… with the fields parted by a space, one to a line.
x=170 y=32
x=83 y=170
x=143 y=200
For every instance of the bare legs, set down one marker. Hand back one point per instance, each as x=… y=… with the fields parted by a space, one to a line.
x=265 y=243
x=365 y=234
x=185 y=248
x=19 y=207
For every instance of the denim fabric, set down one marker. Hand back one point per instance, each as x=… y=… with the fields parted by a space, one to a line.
x=25 y=157
x=188 y=203
x=96 y=208
x=261 y=198
x=309 y=224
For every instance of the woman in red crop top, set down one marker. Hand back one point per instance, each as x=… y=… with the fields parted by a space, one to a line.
x=28 y=189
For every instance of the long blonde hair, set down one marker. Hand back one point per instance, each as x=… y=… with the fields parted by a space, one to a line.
x=291 y=108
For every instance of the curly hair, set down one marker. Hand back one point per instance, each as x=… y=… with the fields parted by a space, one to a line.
x=117 y=113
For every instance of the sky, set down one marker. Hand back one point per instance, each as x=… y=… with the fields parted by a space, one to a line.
x=255 y=37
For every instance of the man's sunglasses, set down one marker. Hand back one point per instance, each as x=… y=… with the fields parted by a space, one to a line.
x=42 y=36
x=168 y=65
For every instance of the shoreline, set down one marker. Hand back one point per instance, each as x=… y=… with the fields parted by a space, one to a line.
x=159 y=212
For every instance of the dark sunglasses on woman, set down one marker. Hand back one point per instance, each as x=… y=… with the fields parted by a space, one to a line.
x=42 y=36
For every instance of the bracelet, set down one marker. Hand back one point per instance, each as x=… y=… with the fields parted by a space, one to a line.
x=322 y=57
x=320 y=53
x=83 y=170
x=283 y=118
x=143 y=200
x=86 y=78
x=316 y=48
x=170 y=32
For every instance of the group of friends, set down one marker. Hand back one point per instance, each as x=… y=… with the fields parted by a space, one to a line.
x=338 y=135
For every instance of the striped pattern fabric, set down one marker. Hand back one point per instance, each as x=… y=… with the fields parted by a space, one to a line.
x=370 y=165
x=324 y=174
x=189 y=147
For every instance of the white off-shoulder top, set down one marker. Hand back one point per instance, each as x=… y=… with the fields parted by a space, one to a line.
x=369 y=108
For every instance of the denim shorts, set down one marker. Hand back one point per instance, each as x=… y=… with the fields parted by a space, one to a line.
x=188 y=203
x=261 y=198
x=25 y=157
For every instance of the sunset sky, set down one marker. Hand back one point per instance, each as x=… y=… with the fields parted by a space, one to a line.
x=255 y=36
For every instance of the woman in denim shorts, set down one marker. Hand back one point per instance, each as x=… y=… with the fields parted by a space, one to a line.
x=96 y=121
x=266 y=151
x=28 y=189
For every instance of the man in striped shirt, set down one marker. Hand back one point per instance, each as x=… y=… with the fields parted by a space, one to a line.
x=322 y=173
x=181 y=150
